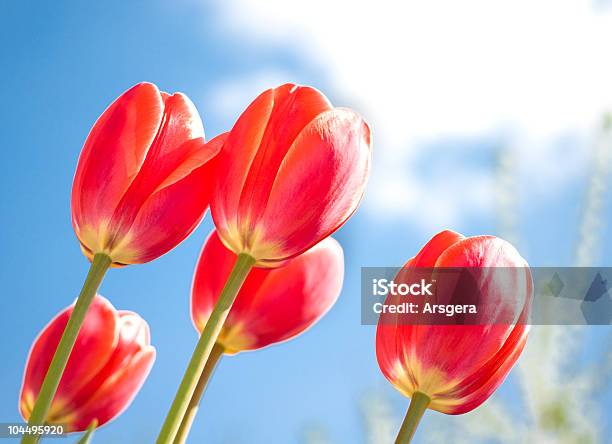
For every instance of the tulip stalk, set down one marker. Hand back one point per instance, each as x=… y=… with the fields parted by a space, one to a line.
x=416 y=410
x=88 y=435
x=243 y=265
x=194 y=403
x=99 y=265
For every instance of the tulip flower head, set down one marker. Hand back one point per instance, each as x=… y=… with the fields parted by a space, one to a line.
x=273 y=305
x=143 y=180
x=459 y=366
x=294 y=170
x=109 y=363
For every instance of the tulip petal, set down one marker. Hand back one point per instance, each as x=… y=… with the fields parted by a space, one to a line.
x=459 y=366
x=246 y=135
x=112 y=156
x=94 y=345
x=171 y=213
x=324 y=176
x=294 y=108
x=478 y=387
x=126 y=180
x=167 y=218
x=429 y=254
x=291 y=298
x=273 y=305
x=256 y=147
x=117 y=391
x=290 y=145
x=133 y=338
x=178 y=150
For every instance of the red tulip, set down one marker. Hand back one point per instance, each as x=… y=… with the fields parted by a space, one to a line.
x=294 y=170
x=142 y=183
x=273 y=305
x=459 y=366
x=109 y=363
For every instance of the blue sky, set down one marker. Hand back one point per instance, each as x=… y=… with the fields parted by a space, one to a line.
x=63 y=63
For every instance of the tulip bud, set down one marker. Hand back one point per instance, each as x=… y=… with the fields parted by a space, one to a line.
x=143 y=180
x=273 y=305
x=459 y=366
x=109 y=363
x=294 y=170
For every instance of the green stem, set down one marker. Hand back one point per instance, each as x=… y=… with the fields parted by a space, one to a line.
x=418 y=405
x=207 y=340
x=88 y=435
x=194 y=403
x=99 y=266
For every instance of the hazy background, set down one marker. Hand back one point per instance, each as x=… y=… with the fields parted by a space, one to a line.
x=487 y=118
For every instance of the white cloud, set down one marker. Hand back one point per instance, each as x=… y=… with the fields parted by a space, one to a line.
x=421 y=70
